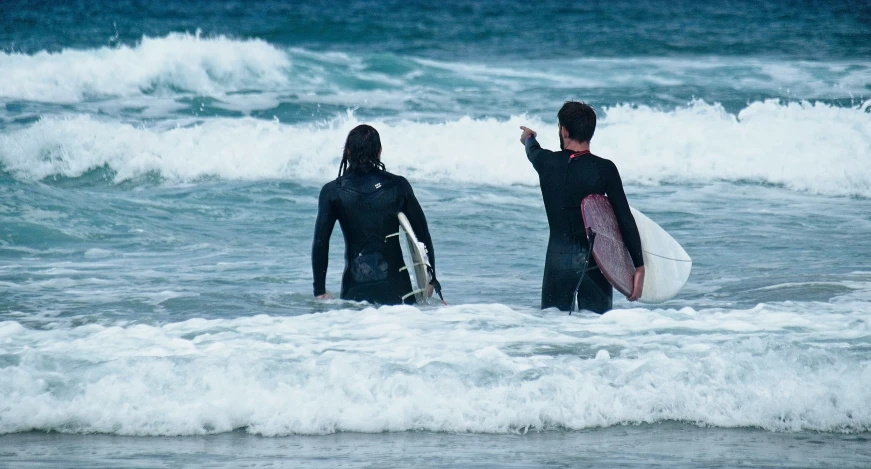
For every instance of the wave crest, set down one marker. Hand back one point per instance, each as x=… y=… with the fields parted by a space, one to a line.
x=811 y=147
x=177 y=61
x=491 y=370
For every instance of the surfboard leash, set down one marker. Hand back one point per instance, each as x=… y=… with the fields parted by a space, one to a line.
x=435 y=284
x=584 y=270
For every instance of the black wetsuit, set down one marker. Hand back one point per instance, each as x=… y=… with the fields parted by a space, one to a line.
x=565 y=181
x=366 y=204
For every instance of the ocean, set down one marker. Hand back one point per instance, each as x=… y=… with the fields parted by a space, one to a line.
x=160 y=165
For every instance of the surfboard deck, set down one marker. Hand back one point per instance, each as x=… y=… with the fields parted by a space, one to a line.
x=608 y=251
x=667 y=264
x=419 y=261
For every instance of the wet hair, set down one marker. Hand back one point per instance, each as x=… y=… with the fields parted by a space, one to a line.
x=362 y=150
x=579 y=119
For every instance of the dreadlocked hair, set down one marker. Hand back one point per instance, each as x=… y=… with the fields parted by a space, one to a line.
x=362 y=150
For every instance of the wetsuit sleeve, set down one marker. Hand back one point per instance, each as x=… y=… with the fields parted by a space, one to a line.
x=414 y=213
x=625 y=220
x=324 y=225
x=534 y=152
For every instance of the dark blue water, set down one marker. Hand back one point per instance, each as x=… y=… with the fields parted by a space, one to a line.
x=468 y=30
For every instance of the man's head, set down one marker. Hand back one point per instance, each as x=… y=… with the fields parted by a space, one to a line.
x=362 y=150
x=577 y=122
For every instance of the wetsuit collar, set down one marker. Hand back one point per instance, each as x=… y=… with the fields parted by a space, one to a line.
x=579 y=154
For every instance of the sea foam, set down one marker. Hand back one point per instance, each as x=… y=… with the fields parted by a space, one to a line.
x=177 y=62
x=182 y=63
x=470 y=368
x=811 y=147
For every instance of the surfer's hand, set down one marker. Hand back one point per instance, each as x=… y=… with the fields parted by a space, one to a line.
x=429 y=290
x=325 y=296
x=527 y=132
x=637 y=284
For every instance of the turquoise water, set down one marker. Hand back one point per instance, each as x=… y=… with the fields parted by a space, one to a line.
x=159 y=170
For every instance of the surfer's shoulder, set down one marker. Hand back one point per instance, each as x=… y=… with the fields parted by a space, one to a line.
x=328 y=192
x=390 y=178
x=604 y=163
x=558 y=158
x=328 y=187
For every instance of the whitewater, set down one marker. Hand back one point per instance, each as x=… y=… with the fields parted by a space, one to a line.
x=255 y=92
x=158 y=202
x=482 y=368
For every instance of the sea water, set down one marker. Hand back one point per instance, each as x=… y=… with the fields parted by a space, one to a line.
x=159 y=173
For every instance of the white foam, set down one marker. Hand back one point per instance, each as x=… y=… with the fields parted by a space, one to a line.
x=803 y=146
x=802 y=79
x=178 y=61
x=809 y=147
x=474 y=368
x=218 y=65
x=97 y=253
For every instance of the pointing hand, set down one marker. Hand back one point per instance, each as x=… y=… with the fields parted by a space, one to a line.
x=527 y=132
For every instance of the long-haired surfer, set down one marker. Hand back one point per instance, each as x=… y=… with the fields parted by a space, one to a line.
x=365 y=199
x=566 y=177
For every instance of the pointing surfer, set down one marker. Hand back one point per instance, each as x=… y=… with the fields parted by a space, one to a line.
x=566 y=177
x=365 y=199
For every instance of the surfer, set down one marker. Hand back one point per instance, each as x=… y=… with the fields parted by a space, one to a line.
x=566 y=177
x=365 y=199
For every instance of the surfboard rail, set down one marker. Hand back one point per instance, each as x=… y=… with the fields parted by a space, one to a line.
x=419 y=266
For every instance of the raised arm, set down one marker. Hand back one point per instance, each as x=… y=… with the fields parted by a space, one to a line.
x=324 y=225
x=533 y=149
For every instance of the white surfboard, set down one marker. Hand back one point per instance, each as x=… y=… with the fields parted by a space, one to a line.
x=666 y=265
x=417 y=263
